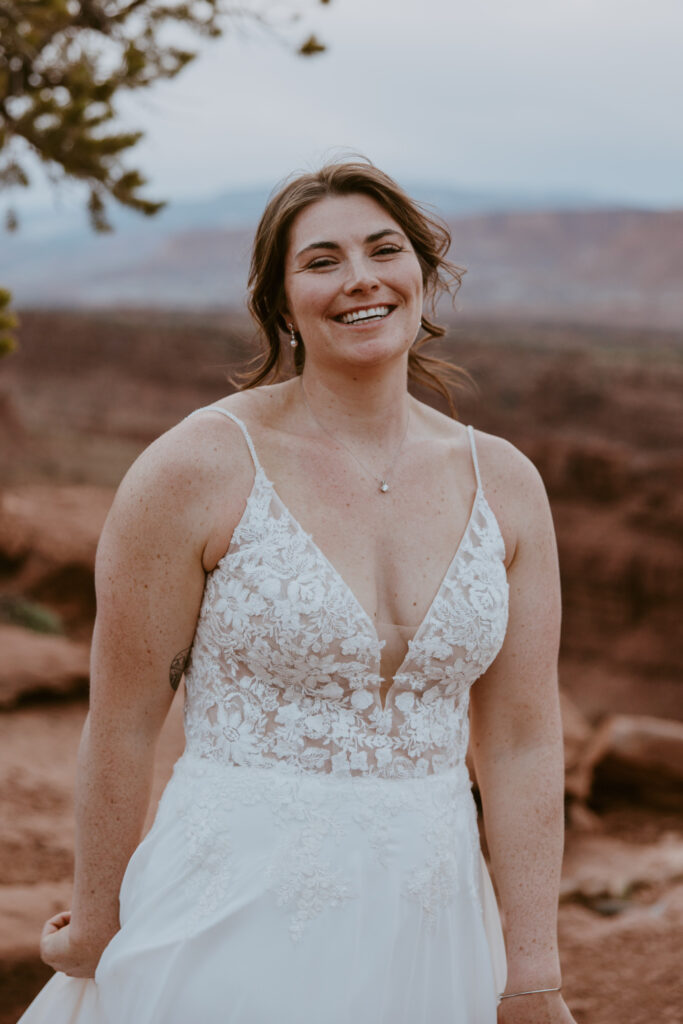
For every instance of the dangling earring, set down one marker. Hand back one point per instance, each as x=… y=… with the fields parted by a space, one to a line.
x=293 y=339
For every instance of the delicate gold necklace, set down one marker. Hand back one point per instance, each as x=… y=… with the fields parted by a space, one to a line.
x=381 y=480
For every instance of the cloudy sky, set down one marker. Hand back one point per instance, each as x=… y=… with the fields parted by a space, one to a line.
x=579 y=96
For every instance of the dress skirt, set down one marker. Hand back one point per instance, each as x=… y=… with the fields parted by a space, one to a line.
x=262 y=895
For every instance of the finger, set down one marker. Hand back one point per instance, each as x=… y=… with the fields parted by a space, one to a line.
x=57 y=921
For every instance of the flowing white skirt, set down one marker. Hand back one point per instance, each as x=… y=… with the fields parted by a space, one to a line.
x=260 y=896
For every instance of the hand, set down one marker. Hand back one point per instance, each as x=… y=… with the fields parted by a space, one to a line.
x=58 y=951
x=545 y=1008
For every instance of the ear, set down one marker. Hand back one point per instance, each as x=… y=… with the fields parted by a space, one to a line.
x=286 y=322
x=284 y=316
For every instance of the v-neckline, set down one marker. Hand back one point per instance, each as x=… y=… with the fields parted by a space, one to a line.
x=259 y=473
x=379 y=644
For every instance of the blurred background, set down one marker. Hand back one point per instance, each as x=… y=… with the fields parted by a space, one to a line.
x=547 y=135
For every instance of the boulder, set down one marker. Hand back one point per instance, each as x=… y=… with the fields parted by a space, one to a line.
x=602 y=867
x=633 y=756
x=39 y=665
x=59 y=523
x=48 y=539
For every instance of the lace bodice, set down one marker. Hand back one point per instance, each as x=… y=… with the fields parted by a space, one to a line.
x=284 y=667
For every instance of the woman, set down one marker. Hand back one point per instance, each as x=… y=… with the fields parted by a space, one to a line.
x=333 y=564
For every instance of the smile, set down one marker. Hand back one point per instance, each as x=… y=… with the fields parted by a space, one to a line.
x=359 y=316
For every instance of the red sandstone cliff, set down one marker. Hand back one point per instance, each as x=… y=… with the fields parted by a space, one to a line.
x=598 y=411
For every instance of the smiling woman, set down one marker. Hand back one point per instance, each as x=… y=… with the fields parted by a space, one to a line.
x=414 y=227
x=342 y=568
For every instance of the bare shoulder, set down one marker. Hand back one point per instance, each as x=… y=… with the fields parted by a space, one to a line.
x=262 y=406
x=188 y=457
x=505 y=468
x=514 y=489
x=189 y=486
x=507 y=473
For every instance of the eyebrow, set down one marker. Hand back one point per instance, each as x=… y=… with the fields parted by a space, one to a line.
x=374 y=237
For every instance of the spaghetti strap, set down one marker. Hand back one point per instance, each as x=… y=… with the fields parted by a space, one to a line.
x=470 y=431
x=240 y=424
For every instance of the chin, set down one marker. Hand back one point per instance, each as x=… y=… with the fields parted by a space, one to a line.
x=375 y=351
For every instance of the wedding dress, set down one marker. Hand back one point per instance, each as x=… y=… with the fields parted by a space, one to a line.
x=314 y=858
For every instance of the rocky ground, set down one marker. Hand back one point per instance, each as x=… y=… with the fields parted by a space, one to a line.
x=598 y=412
x=621 y=916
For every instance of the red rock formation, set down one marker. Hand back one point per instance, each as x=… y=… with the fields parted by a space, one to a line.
x=36 y=666
x=48 y=538
x=635 y=755
x=599 y=414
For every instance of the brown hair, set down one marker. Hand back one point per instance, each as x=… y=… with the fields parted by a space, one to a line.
x=429 y=237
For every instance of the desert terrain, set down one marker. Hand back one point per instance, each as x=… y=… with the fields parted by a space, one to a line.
x=597 y=409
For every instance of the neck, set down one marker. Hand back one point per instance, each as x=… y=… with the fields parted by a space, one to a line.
x=362 y=406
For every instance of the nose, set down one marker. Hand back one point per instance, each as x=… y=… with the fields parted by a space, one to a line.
x=361 y=276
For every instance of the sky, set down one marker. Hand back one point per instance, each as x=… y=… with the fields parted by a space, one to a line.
x=580 y=97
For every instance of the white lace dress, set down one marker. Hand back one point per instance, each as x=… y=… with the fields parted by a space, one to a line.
x=314 y=858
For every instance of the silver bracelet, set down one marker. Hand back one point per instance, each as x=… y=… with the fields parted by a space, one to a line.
x=531 y=992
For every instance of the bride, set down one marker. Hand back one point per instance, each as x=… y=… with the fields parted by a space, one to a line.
x=349 y=581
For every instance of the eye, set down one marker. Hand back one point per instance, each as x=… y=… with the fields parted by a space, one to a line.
x=388 y=250
x=320 y=262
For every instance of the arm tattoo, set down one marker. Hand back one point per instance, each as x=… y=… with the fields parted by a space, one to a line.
x=177 y=668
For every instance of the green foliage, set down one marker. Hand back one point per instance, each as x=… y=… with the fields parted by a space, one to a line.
x=62 y=65
x=8 y=321
x=18 y=611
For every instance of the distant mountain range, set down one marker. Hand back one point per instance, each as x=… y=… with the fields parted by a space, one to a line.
x=544 y=256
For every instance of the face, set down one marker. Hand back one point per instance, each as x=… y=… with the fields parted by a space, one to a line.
x=353 y=282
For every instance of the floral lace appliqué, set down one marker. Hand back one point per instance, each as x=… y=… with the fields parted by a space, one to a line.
x=285 y=664
x=308 y=824
x=284 y=674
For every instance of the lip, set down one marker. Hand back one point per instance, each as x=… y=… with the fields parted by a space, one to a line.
x=359 y=309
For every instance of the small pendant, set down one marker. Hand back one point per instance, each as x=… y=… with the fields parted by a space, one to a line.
x=384 y=486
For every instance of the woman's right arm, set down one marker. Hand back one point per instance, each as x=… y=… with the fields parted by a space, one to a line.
x=149 y=579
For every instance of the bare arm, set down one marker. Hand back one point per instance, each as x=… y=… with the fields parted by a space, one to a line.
x=518 y=755
x=149 y=580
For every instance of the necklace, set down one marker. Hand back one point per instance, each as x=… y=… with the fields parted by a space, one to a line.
x=382 y=480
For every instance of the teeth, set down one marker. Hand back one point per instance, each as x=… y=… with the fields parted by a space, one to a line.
x=365 y=314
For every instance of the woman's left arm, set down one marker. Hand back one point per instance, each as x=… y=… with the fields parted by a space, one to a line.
x=518 y=756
